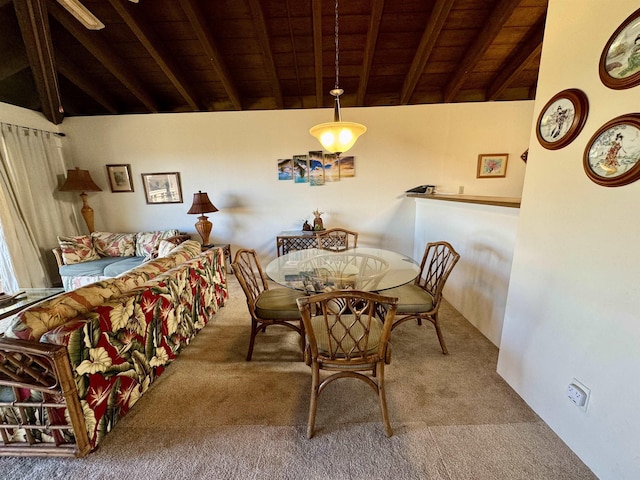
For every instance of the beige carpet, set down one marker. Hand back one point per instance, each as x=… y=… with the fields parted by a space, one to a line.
x=212 y=415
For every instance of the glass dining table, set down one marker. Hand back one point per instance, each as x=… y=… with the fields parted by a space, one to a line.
x=315 y=270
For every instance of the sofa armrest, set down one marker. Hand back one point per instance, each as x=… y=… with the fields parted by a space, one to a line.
x=57 y=252
x=38 y=379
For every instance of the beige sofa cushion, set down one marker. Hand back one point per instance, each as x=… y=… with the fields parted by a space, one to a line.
x=108 y=244
x=77 y=249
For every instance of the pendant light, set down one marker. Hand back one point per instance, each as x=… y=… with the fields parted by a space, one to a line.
x=337 y=136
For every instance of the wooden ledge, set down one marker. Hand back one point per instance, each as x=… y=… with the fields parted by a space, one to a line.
x=512 y=202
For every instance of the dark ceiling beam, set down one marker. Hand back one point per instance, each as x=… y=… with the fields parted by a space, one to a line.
x=34 y=25
x=369 y=49
x=79 y=78
x=156 y=48
x=263 y=39
x=316 y=11
x=479 y=45
x=525 y=53
x=431 y=32
x=193 y=11
x=105 y=55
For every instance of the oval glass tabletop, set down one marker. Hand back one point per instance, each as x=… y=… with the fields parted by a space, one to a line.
x=314 y=270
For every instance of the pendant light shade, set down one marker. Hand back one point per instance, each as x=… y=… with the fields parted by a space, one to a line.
x=337 y=136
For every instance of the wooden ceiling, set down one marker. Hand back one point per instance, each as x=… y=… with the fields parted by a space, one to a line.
x=216 y=55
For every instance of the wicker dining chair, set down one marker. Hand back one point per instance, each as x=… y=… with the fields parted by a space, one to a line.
x=347 y=332
x=267 y=306
x=421 y=300
x=337 y=239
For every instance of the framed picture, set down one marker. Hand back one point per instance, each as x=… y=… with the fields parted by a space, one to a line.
x=120 y=178
x=620 y=60
x=612 y=156
x=562 y=118
x=162 y=187
x=492 y=165
x=285 y=169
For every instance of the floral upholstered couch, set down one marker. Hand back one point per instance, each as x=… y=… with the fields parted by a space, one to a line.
x=87 y=259
x=73 y=365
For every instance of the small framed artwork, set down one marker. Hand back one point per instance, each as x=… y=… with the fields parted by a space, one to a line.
x=562 y=118
x=620 y=60
x=120 y=178
x=285 y=169
x=492 y=165
x=316 y=168
x=347 y=167
x=612 y=156
x=301 y=169
x=331 y=167
x=162 y=187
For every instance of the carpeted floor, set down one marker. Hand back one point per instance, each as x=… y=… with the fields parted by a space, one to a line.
x=212 y=415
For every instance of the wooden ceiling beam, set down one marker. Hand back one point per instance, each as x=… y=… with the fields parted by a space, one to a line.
x=530 y=49
x=429 y=37
x=104 y=54
x=194 y=13
x=369 y=49
x=156 y=48
x=316 y=12
x=263 y=39
x=79 y=78
x=34 y=25
x=479 y=45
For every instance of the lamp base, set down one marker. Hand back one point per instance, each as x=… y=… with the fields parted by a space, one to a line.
x=87 y=212
x=204 y=226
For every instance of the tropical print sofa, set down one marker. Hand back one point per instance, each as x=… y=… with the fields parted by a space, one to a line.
x=87 y=259
x=73 y=365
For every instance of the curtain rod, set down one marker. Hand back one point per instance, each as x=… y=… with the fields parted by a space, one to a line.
x=58 y=134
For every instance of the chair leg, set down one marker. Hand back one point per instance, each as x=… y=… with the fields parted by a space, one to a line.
x=440 y=336
x=383 y=400
x=313 y=404
x=254 y=331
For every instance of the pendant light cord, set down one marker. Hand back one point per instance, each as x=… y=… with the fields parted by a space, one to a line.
x=337 y=49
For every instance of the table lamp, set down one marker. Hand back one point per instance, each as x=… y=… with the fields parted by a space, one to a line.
x=80 y=181
x=202 y=204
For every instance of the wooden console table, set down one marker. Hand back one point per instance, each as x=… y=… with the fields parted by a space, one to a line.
x=291 y=240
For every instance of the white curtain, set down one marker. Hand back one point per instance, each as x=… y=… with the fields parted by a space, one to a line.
x=32 y=211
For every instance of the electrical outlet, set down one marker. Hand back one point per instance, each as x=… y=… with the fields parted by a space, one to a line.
x=578 y=394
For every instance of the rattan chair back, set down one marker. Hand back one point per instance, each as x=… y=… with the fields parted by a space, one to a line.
x=337 y=239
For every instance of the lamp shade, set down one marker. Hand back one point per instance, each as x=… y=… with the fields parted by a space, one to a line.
x=202 y=204
x=79 y=181
x=337 y=137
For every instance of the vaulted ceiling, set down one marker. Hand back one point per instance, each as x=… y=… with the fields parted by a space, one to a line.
x=216 y=55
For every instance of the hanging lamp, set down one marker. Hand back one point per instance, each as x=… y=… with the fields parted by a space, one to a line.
x=337 y=136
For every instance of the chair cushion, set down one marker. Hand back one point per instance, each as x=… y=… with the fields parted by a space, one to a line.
x=278 y=304
x=339 y=332
x=411 y=298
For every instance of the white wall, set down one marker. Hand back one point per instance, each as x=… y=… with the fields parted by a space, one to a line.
x=573 y=307
x=484 y=236
x=233 y=155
